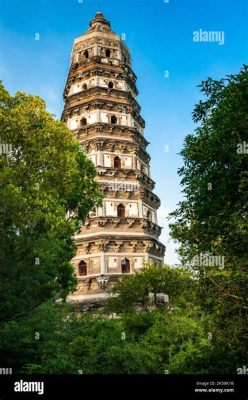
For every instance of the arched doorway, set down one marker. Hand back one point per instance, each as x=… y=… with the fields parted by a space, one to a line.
x=110 y=85
x=117 y=162
x=125 y=266
x=82 y=268
x=108 y=53
x=83 y=121
x=121 y=210
x=113 y=119
x=86 y=54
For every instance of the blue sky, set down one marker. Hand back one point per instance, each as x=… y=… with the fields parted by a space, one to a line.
x=159 y=35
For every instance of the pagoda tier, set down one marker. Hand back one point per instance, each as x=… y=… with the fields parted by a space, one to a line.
x=102 y=111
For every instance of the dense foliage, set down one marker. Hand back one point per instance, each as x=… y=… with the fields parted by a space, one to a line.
x=203 y=328
x=44 y=177
x=156 y=340
x=211 y=223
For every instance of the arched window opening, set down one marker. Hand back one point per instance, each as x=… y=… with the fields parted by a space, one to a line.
x=117 y=162
x=86 y=54
x=110 y=85
x=113 y=119
x=82 y=268
x=84 y=86
x=108 y=53
x=121 y=210
x=125 y=266
x=83 y=121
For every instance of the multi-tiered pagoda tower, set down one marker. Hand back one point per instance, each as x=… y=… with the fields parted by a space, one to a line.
x=102 y=111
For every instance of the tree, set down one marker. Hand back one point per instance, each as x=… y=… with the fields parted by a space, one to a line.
x=212 y=220
x=53 y=339
x=177 y=283
x=47 y=187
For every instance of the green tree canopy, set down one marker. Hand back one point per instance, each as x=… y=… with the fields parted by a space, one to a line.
x=47 y=187
x=212 y=219
x=177 y=283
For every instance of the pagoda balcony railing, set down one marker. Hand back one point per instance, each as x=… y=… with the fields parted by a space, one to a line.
x=151 y=197
x=105 y=129
x=126 y=173
x=143 y=224
x=98 y=90
x=102 y=144
x=130 y=190
x=117 y=188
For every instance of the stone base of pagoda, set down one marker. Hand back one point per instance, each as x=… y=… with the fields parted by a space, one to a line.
x=87 y=302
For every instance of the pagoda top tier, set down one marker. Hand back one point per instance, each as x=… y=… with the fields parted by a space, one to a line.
x=99 y=19
x=100 y=38
x=99 y=24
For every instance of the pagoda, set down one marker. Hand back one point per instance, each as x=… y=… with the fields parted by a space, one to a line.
x=102 y=112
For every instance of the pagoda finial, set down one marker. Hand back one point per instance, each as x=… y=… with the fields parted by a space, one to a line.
x=99 y=18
